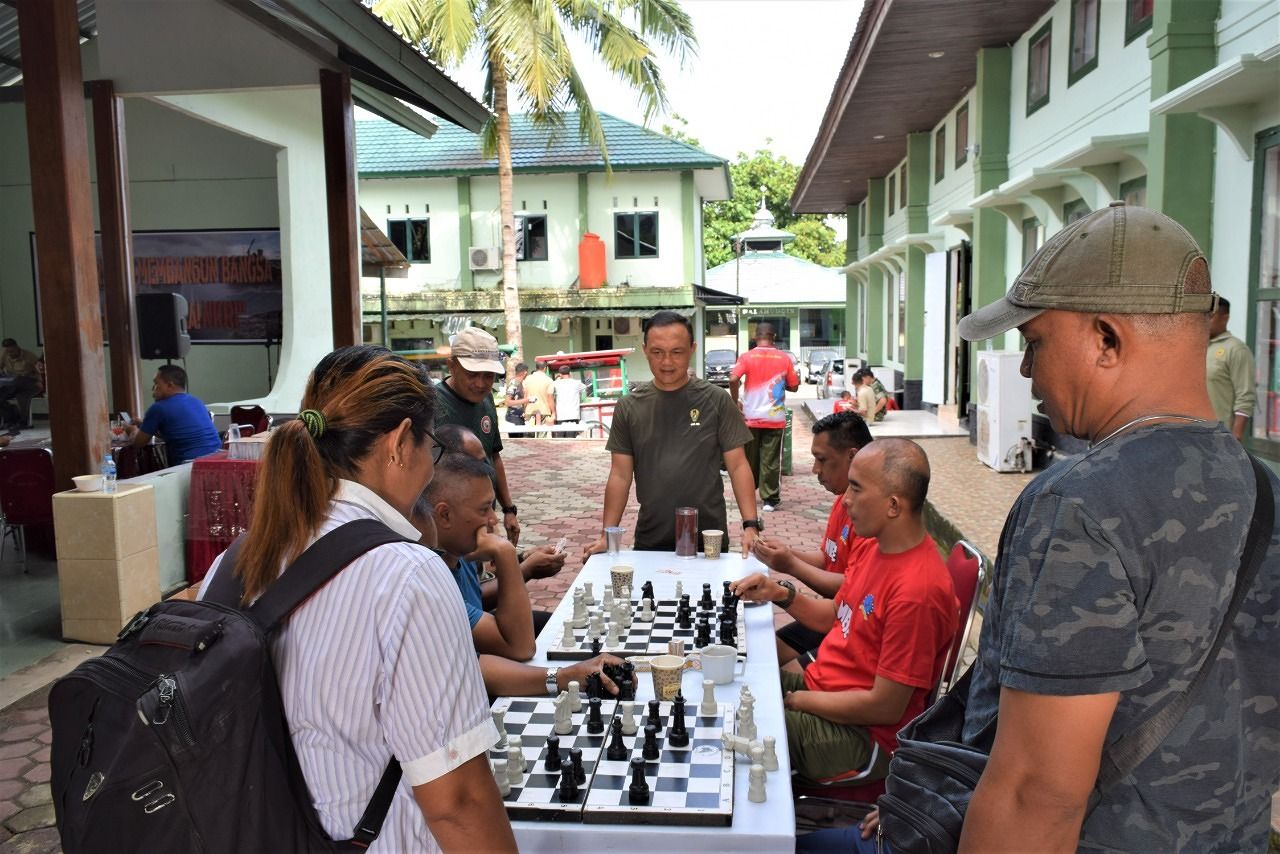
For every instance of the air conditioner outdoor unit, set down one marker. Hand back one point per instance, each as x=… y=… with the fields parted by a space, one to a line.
x=485 y=257
x=1004 y=411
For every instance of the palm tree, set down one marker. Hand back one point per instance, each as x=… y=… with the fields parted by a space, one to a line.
x=522 y=44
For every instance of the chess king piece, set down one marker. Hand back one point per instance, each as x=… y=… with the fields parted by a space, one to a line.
x=678 y=733
x=638 y=791
x=755 y=785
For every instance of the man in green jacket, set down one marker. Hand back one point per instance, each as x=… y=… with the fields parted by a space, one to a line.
x=1229 y=373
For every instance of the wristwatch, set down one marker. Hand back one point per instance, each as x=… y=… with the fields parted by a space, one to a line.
x=791 y=594
x=552 y=687
x=752 y=523
x=511 y=509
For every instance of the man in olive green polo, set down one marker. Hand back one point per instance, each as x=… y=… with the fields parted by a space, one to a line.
x=1229 y=373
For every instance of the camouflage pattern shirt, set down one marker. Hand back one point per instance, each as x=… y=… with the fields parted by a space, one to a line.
x=1115 y=571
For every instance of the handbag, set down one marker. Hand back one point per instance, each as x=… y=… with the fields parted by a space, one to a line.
x=933 y=772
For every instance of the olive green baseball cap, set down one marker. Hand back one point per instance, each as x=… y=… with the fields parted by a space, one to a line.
x=1121 y=259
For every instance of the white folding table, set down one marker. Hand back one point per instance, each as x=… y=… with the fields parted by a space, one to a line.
x=768 y=826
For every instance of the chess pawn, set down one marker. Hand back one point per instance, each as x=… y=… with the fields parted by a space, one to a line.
x=611 y=639
x=575 y=698
x=755 y=785
x=498 y=715
x=629 y=719
x=500 y=777
x=757 y=754
x=708 y=706
x=567 y=639
x=514 y=773
x=646 y=611
x=515 y=743
x=679 y=589
x=770 y=753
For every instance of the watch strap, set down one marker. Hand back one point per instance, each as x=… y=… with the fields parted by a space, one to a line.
x=791 y=594
x=510 y=508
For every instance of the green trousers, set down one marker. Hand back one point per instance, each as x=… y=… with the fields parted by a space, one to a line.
x=823 y=752
x=764 y=453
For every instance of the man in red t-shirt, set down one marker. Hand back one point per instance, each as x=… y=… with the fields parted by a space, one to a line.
x=769 y=376
x=836 y=438
x=845 y=403
x=889 y=626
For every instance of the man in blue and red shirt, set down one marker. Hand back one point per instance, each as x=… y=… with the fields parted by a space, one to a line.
x=888 y=627
x=769 y=375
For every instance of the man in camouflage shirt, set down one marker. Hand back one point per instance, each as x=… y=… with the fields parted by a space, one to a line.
x=1116 y=567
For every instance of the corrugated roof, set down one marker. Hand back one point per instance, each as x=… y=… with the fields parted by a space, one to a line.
x=384 y=149
x=10 y=49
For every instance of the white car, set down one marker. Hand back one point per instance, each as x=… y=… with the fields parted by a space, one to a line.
x=831 y=382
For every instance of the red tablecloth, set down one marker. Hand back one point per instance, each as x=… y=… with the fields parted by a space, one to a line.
x=219 y=506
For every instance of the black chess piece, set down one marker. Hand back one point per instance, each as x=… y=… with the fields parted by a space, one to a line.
x=704 y=634
x=728 y=635
x=579 y=773
x=650 y=750
x=628 y=670
x=646 y=592
x=706 y=603
x=655 y=716
x=595 y=646
x=638 y=791
x=627 y=689
x=595 y=687
x=595 y=723
x=684 y=600
x=616 y=751
x=568 y=783
x=553 y=753
x=684 y=619
x=678 y=733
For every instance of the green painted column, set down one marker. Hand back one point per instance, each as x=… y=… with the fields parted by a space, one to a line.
x=991 y=111
x=913 y=368
x=466 y=278
x=877 y=281
x=688 y=201
x=1180 y=147
x=851 y=307
x=919 y=169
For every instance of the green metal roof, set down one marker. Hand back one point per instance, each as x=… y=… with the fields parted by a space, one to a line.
x=384 y=150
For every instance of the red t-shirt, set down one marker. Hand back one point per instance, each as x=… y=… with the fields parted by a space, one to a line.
x=843 y=405
x=768 y=373
x=840 y=544
x=896 y=615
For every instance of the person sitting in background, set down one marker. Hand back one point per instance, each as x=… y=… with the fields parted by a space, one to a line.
x=538 y=562
x=182 y=421
x=873 y=398
x=845 y=403
x=837 y=438
x=888 y=628
x=23 y=383
x=459 y=503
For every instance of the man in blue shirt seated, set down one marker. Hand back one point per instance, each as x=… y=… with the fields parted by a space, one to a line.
x=181 y=420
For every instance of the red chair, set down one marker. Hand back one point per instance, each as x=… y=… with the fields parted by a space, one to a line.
x=969 y=570
x=254 y=417
x=26 y=494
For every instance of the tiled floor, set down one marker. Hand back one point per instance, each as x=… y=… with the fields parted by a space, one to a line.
x=30 y=627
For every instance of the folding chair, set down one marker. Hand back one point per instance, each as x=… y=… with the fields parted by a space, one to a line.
x=254 y=417
x=26 y=494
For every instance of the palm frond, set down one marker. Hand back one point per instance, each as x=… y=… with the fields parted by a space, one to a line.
x=668 y=24
x=589 y=127
x=534 y=54
x=446 y=29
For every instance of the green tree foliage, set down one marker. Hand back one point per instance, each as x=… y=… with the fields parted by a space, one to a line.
x=776 y=175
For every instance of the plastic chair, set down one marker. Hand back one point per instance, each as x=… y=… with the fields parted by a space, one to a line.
x=251 y=416
x=26 y=494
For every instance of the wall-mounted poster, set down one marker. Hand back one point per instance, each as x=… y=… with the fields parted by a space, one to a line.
x=231 y=280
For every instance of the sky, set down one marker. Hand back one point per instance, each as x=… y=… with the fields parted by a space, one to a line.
x=762 y=77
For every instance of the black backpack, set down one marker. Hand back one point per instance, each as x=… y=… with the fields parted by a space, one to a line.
x=175 y=738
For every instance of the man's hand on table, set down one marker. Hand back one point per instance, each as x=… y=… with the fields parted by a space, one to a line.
x=749 y=537
x=542 y=562
x=580 y=671
x=758 y=587
x=772 y=553
x=594 y=548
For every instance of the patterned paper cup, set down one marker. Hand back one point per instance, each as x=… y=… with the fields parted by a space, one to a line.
x=712 y=541
x=621 y=576
x=666 y=671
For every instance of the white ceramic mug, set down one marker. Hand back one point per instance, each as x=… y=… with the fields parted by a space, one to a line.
x=719 y=663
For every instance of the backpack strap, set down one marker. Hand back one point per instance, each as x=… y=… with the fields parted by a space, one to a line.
x=225 y=588
x=1132 y=749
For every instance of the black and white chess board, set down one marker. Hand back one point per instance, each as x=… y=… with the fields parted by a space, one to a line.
x=690 y=785
x=646 y=638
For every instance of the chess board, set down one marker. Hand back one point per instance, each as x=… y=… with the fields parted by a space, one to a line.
x=645 y=638
x=537 y=796
x=691 y=786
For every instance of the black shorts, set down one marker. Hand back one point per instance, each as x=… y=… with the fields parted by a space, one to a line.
x=803 y=640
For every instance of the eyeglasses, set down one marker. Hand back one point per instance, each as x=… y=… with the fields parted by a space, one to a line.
x=437 y=450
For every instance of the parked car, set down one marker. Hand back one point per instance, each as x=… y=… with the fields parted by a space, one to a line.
x=831 y=380
x=816 y=364
x=718 y=364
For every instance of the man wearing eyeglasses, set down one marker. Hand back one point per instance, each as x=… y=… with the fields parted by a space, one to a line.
x=466 y=399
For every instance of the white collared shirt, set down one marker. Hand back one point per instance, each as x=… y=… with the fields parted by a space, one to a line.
x=380 y=661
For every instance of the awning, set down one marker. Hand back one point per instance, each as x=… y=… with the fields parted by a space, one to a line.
x=1233 y=95
x=453 y=322
x=710 y=296
x=377 y=253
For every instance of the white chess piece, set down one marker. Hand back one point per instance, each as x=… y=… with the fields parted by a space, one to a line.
x=679 y=590
x=575 y=698
x=736 y=743
x=757 y=754
x=587 y=595
x=500 y=776
x=567 y=639
x=624 y=613
x=608 y=597
x=646 y=611
x=579 y=610
x=564 y=720
x=755 y=780
x=770 y=753
x=514 y=774
x=611 y=639
x=517 y=744
x=746 y=720
x=628 y=718
x=498 y=715
x=708 y=706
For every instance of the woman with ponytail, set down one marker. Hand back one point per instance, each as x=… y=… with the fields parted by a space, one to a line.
x=379 y=661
